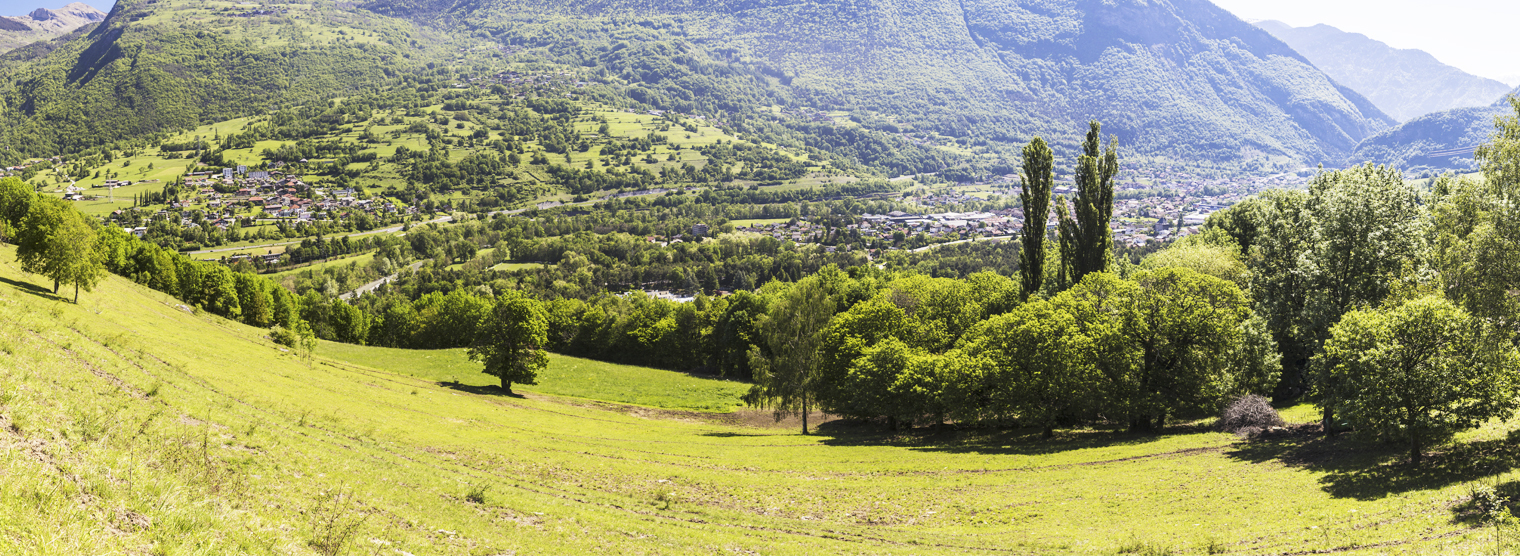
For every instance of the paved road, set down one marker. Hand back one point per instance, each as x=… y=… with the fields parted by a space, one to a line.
x=928 y=247
x=372 y=286
x=390 y=230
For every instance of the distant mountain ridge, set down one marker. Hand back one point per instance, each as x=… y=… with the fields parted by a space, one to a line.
x=43 y=24
x=1176 y=78
x=1435 y=142
x=1404 y=83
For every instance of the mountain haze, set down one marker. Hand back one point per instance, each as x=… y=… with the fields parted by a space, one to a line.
x=1404 y=83
x=43 y=24
x=1178 y=78
x=1440 y=141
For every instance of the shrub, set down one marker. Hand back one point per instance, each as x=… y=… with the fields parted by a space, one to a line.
x=1248 y=414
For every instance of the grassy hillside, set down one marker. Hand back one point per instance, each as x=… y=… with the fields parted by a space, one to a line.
x=165 y=65
x=566 y=376
x=129 y=425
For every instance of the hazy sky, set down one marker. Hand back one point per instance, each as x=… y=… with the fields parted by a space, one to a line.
x=1474 y=35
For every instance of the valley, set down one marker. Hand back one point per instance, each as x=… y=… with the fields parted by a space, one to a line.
x=172 y=429
x=503 y=277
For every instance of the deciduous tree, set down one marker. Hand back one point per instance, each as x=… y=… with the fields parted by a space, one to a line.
x=786 y=374
x=510 y=341
x=1419 y=372
x=1037 y=179
x=55 y=241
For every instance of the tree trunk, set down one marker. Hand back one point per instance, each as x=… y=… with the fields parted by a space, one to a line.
x=506 y=386
x=1415 y=452
x=804 y=417
x=1329 y=420
x=1050 y=432
x=55 y=287
x=76 y=293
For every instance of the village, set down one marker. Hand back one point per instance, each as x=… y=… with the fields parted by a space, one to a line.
x=239 y=197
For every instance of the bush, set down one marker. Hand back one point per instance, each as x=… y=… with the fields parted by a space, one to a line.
x=284 y=336
x=1249 y=414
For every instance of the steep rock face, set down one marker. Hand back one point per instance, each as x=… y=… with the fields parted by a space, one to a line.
x=1405 y=84
x=1179 y=78
x=43 y=24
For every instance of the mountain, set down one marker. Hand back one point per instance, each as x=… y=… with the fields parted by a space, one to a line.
x=1180 y=79
x=158 y=65
x=43 y=24
x=1175 y=78
x=1404 y=83
x=1434 y=142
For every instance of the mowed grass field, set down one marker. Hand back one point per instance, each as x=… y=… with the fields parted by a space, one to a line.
x=566 y=376
x=131 y=425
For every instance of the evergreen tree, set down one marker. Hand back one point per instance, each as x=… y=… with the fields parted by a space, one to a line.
x=1037 y=178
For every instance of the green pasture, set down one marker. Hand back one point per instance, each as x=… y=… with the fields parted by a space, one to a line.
x=518 y=266
x=566 y=376
x=184 y=433
x=623 y=125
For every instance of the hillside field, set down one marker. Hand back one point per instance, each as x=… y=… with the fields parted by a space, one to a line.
x=130 y=424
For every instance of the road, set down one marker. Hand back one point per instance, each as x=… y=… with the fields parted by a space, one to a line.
x=372 y=286
x=390 y=230
x=928 y=247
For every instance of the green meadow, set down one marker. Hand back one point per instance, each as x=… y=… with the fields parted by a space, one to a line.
x=566 y=376
x=130 y=424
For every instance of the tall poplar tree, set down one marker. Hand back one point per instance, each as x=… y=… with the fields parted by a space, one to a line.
x=1067 y=235
x=1093 y=206
x=1038 y=176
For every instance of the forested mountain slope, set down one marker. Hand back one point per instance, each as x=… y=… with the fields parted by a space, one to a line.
x=43 y=24
x=157 y=65
x=1433 y=142
x=1181 y=78
x=1404 y=83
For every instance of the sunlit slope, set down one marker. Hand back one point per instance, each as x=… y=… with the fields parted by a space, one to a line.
x=129 y=425
x=565 y=376
x=166 y=65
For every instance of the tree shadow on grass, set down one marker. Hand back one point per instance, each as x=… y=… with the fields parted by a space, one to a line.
x=735 y=435
x=482 y=390
x=990 y=441
x=33 y=289
x=1368 y=470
